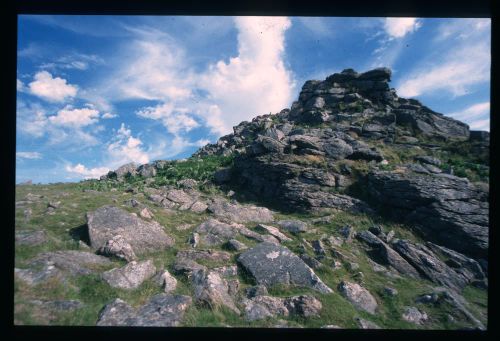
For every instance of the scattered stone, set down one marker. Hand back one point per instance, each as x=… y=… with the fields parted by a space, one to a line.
x=272 y=264
x=187 y=183
x=365 y=324
x=293 y=226
x=161 y=310
x=194 y=239
x=183 y=227
x=198 y=207
x=118 y=247
x=274 y=231
x=256 y=290
x=261 y=307
x=233 y=286
x=132 y=203
x=323 y=220
x=186 y=266
x=227 y=271
x=236 y=245
x=146 y=213
x=214 y=232
x=389 y=236
x=318 y=248
x=33 y=197
x=168 y=282
x=358 y=296
x=240 y=213
x=414 y=315
x=303 y=305
x=59 y=305
x=58 y=264
x=347 y=233
x=352 y=266
x=210 y=288
x=108 y=221
x=310 y=261
x=131 y=276
x=390 y=291
x=31 y=238
x=210 y=255
x=27 y=214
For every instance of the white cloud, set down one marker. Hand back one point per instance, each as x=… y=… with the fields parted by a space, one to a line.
x=75 y=117
x=51 y=89
x=31 y=119
x=108 y=116
x=175 y=120
x=255 y=82
x=462 y=29
x=477 y=116
x=480 y=125
x=76 y=61
x=399 y=27
x=20 y=86
x=462 y=70
x=28 y=155
x=93 y=173
x=126 y=148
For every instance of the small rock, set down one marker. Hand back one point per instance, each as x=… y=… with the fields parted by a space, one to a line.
x=169 y=282
x=183 y=227
x=118 y=247
x=390 y=291
x=358 y=296
x=274 y=232
x=146 y=213
x=257 y=290
x=213 y=290
x=322 y=220
x=130 y=276
x=414 y=315
x=318 y=247
x=365 y=324
x=313 y=263
x=194 y=239
x=389 y=236
x=198 y=207
x=236 y=245
x=351 y=266
x=303 y=305
x=347 y=233
x=31 y=238
x=293 y=226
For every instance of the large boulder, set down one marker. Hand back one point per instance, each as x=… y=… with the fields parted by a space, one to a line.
x=161 y=310
x=107 y=222
x=445 y=209
x=272 y=264
x=60 y=264
x=240 y=213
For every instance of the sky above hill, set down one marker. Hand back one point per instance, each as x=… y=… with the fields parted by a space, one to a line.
x=95 y=92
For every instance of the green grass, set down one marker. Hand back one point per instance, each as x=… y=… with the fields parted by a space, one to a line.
x=94 y=293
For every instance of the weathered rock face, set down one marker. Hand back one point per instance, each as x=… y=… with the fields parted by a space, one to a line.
x=161 y=310
x=445 y=209
x=272 y=264
x=31 y=238
x=414 y=315
x=281 y=158
x=107 y=222
x=430 y=266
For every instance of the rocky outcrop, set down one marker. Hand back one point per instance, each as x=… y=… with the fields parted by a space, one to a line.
x=445 y=209
x=107 y=222
x=240 y=213
x=272 y=264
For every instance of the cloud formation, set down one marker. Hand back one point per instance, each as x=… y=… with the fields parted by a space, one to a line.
x=477 y=116
x=176 y=120
x=28 y=155
x=399 y=27
x=92 y=173
x=75 y=118
x=51 y=89
x=126 y=148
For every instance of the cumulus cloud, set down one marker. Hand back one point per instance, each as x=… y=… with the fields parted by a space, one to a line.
x=92 y=173
x=125 y=148
x=108 y=115
x=20 y=85
x=477 y=116
x=75 y=118
x=256 y=81
x=175 y=120
x=51 y=89
x=399 y=27
x=28 y=155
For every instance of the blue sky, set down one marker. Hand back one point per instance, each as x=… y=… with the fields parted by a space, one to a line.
x=95 y=92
